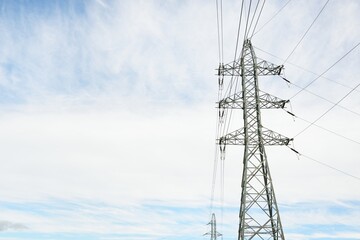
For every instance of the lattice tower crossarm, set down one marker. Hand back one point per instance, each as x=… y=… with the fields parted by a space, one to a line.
x=214 y=234
x=259 y=214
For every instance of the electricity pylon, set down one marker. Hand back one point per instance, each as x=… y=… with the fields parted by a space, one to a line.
x=259 y=213
x=214 y=234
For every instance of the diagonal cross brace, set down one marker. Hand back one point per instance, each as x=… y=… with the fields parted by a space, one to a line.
x=266 y=101
x=269 y=137
x=264 y=68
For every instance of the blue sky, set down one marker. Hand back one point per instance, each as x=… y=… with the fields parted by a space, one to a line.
x=107 y=119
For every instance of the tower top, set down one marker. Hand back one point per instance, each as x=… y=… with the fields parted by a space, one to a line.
x=213 y=232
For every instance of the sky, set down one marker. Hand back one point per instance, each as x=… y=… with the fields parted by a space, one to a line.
x=108 y=117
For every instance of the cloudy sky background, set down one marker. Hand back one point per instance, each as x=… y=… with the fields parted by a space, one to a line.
x=108 y=118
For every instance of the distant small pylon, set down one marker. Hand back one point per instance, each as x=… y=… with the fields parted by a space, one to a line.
x=213 y=233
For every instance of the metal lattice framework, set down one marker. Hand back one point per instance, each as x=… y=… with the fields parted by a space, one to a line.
x=259 y=214
x=214 y=234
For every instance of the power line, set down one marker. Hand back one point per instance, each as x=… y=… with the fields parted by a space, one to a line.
x=238 y=32
x=327 y=69
x=253 y=16
x=306 y=31
x=271 y=18
x=257 y=21
x=231 y=84
x=247 y=21
x=222 y=33
x=306 y=70
x=326 y=165
x=219 y=18
x=218 y=30
x=328 y=130
x=334 y=168
x=340 y=106
x=322 y=115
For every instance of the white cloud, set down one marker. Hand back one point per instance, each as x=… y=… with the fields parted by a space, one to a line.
x=6 y=225
x=117 y=106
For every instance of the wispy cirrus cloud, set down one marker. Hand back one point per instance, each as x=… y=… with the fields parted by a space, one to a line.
x=107 y=52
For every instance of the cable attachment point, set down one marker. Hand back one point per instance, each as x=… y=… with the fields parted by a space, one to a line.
x=222 y=146
x=221 y=76
x=221 y=113
x=296 y=152
x=285 y=102
x=281 y=70
x=221 y=83
x=293 y=115
x=287 y=81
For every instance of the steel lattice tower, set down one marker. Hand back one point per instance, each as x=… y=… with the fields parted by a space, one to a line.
x=214 y=234
x=259 y=214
